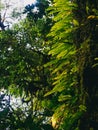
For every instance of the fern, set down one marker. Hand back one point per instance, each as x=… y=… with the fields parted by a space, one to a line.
x=63 y=64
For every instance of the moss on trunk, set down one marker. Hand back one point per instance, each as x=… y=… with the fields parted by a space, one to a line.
x=86 y=41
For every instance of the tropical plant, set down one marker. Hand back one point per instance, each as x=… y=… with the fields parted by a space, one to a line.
x=73 y=52
x=23 y=55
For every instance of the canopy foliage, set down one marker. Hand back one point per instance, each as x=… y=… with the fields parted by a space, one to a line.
x=48 y=65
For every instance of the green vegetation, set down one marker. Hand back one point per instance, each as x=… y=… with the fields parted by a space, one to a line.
x=49 y=67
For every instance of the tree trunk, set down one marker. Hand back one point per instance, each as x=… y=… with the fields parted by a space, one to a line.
x=86 y=41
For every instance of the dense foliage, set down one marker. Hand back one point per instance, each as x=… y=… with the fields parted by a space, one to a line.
x=48 y=66
x=23 y=55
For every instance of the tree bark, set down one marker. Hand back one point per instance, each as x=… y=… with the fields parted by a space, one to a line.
x=86 y=41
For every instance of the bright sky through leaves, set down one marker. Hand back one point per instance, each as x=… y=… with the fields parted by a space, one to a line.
x=19 y=2
x=14 y=4
x=27 y=1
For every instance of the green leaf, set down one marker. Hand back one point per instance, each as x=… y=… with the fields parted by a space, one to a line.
x=82 y=108
x=64 y=97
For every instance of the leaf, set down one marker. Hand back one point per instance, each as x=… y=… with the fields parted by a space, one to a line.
x=75 y=22
x=82 y=108
x=64 y=97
